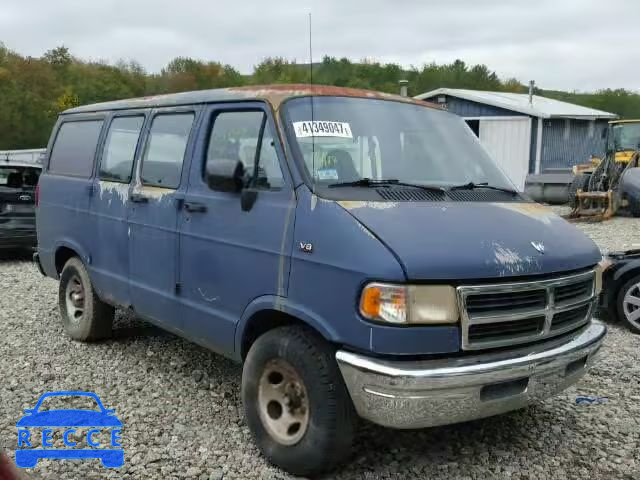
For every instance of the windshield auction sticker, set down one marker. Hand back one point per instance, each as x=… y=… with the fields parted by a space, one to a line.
x=319 y=128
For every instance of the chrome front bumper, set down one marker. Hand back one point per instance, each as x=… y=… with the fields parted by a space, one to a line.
x=417 y=394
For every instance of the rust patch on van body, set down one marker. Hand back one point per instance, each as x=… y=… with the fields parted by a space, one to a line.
x=532 y=210
x=352 y=204
x=277 y=94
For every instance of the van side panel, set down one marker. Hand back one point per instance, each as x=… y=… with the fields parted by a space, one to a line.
x=62 y=216
x=109 y=206
x=153 y=218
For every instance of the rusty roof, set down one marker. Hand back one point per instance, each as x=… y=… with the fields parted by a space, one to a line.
x=274 y=94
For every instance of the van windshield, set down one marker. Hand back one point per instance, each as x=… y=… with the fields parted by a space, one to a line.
x=354 y=138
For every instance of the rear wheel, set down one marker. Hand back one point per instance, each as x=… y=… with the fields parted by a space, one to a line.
x=634 y=205
x=296 y=403
x=629 y=303
x=580 y=182
x=84 y=316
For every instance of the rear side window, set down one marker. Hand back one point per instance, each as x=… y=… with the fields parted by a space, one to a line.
x=75 y=148
x=120 y=149
x=166 y=146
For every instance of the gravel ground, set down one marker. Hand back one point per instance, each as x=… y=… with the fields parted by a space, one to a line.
x=182 y=414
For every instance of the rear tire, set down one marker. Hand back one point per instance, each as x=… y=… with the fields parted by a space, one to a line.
x=84 y=316
x=634 y=206
x=322 y=440
x=580 y=182
x=628 y=303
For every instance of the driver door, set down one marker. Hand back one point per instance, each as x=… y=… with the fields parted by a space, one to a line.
x=229 y=256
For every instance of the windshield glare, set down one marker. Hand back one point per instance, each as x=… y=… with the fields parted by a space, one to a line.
x=354 y=138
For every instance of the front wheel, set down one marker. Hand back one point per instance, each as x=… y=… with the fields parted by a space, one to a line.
x=628 y=303
x=296 y=403
x=579 y=182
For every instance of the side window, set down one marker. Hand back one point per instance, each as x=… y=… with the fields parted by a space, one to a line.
x=120 y=148
x=75 y=148
x=235 y=136
x=166 y=146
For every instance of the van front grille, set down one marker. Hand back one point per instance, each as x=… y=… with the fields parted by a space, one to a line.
x=491 y=332
x=513 y=313
x=506 y=301
x=574 y=291
x=570 y=319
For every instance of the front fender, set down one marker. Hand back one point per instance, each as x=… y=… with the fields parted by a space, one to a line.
x=621 y=272
x=285 y=305
x=613 y=279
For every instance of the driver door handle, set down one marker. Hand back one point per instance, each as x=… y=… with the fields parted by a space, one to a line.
x=195 y=207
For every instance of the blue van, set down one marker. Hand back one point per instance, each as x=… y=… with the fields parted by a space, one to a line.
x=359 y=252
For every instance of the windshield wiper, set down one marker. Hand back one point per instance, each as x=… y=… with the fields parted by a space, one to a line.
x=473 y=186
x=372 y=183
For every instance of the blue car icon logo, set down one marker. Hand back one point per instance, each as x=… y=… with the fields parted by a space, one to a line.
x=104 y=429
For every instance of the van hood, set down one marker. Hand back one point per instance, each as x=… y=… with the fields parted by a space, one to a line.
x=452 y=241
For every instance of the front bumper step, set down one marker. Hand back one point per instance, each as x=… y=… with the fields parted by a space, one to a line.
x=417 y=394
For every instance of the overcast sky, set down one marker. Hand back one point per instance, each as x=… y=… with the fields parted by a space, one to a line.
x=564 y=44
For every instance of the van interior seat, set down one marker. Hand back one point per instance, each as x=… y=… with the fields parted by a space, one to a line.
x=344 y=165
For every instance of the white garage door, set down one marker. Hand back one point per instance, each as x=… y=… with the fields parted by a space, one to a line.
x=508 y=140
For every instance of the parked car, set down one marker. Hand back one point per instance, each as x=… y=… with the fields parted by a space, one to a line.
x=621 y=293
x=18 y=179
x=391 y=273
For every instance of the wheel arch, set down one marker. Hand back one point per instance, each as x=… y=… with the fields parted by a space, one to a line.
x=64 y=251
x=625 y=273
x=269 y=312
x=620 y=277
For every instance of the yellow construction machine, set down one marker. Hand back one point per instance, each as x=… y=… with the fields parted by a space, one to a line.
x=604 y=185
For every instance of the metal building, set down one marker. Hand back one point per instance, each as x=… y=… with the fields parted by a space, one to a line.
x=527 y=133
x=32 y=156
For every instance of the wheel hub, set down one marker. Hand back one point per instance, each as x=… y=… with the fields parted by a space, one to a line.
x=631 y=305
x=75 y=298
x=283 y=402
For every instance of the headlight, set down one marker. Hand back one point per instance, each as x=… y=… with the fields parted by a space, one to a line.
x=409 y=304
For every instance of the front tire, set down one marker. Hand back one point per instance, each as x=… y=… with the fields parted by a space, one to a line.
x=579 y=182
x=634 y=206
x=84 y=316
x=296 y=403
x=628 y=303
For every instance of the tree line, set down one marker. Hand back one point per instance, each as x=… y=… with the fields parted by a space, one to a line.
x=34 y=91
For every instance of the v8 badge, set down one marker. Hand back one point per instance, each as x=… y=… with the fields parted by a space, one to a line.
x=306 y=247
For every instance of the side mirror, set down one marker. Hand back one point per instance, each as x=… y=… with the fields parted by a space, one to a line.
x=29 y=410
x=225 y=175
